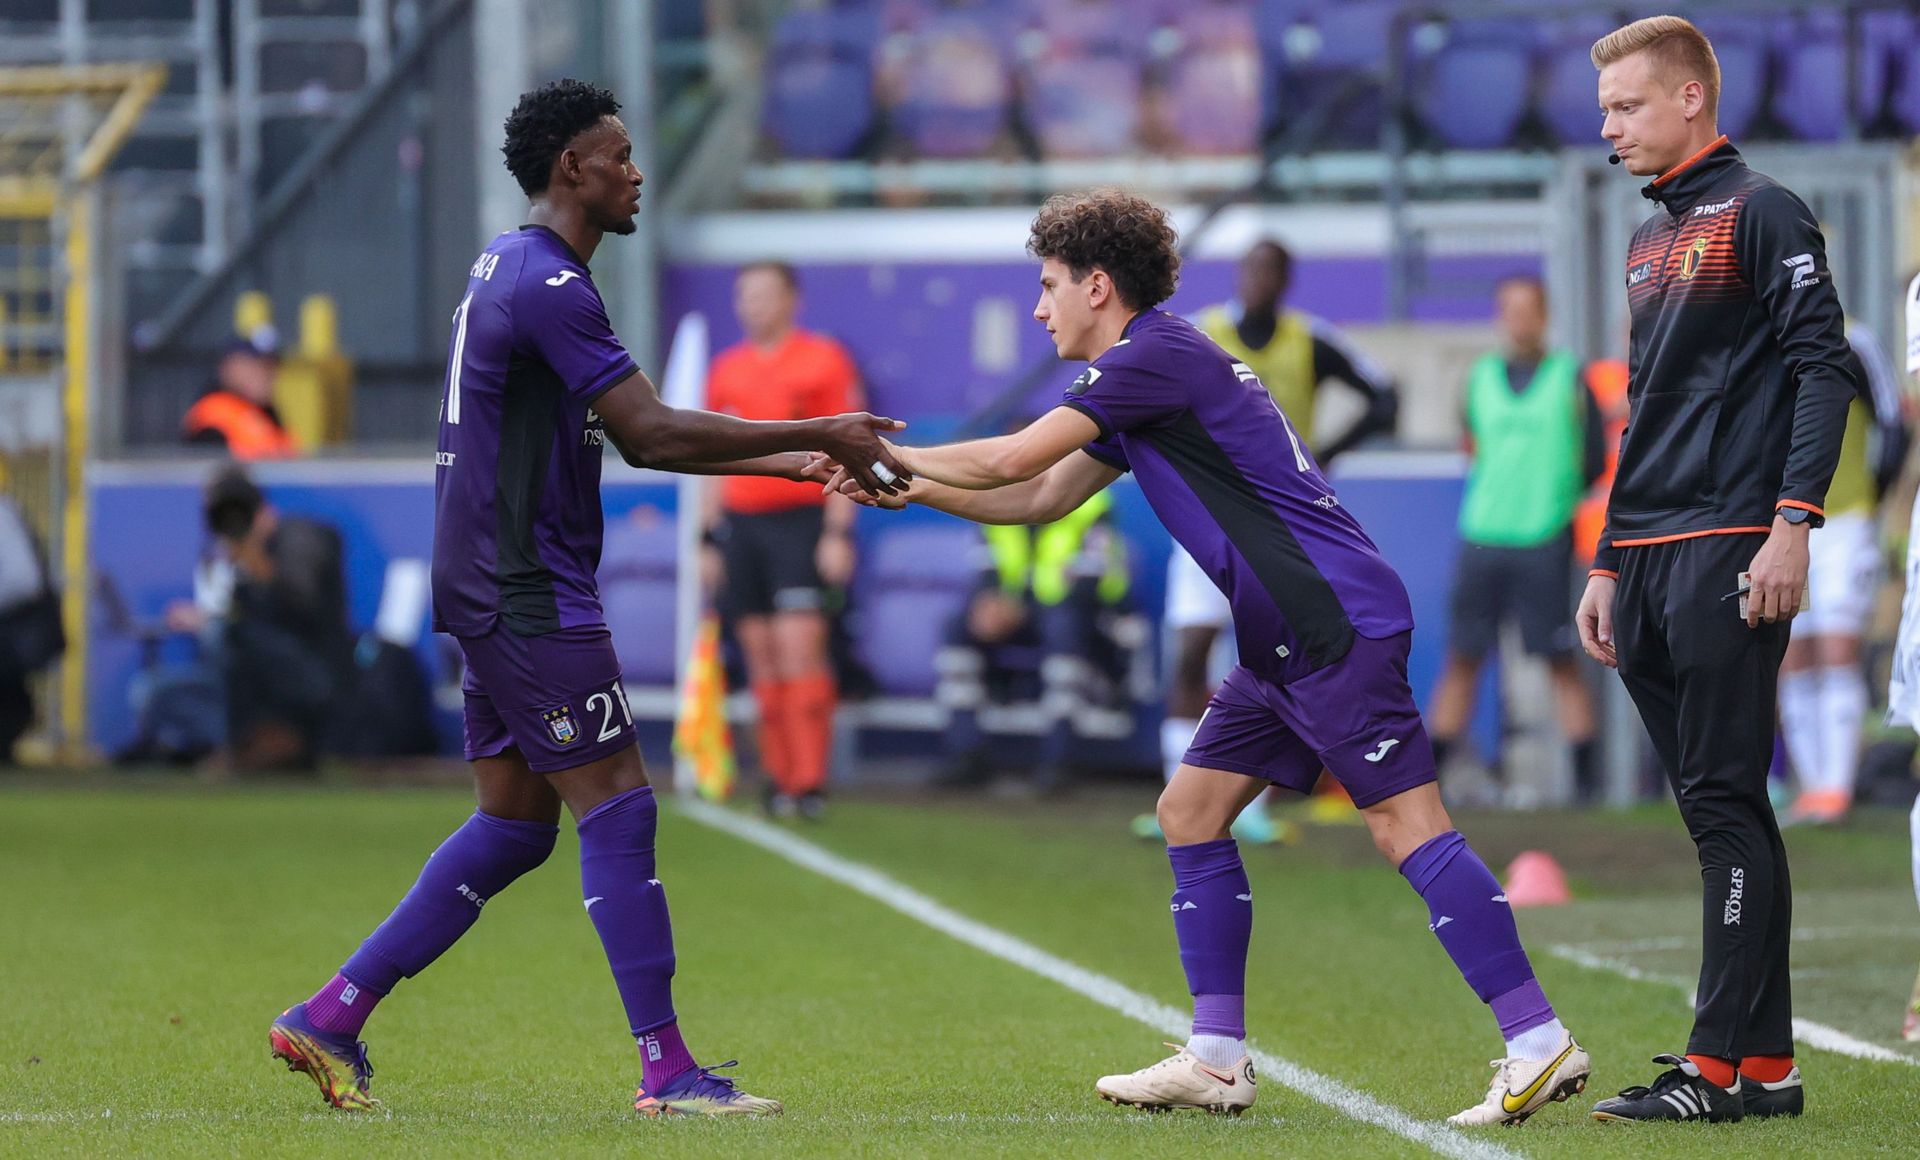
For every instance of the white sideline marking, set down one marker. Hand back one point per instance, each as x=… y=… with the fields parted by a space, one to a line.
x=1109 y=993
x=1816 y=1035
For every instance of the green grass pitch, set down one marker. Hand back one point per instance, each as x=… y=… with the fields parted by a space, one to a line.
x=148 y=935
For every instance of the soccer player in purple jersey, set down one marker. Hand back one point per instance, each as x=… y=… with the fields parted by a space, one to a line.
x=1323 y=625
x=537 y=384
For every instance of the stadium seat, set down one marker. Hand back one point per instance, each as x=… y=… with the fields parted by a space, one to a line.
x=1082 y=105
x=1332 y=69
x=819 y=100
x=1569 y=87
x=1879 y=37
x=1471 y=89
x=950 y=79
x=1810 y=86
x=1742 y=45
x=638 y=578
x=1213 y=81
x=913 y=580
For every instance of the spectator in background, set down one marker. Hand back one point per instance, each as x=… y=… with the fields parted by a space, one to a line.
x=1536 y=439
x=1038 y=630
x=784 y=550
x=1293 y=354
x=281 y=642
x=237 y=412
x=31 y=637
x=1823 y=685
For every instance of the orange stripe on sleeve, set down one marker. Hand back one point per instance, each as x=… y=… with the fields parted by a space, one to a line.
x=1690 y=536
x=1805 y=507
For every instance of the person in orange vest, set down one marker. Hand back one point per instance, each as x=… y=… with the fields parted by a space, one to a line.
x=784 y=551
x=1607 y=381
x=237 y=412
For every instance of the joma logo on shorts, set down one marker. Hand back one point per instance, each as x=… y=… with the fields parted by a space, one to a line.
x=1734 y=894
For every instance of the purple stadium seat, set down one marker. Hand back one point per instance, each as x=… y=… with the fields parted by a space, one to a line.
x=1569 y=86
x=1810 y=85
x=1741 y=44
x=1083 y=105
x=1471 y=89
x=637 y=584
x=1338 y=57
x=1212 y=78
x=912 y=583
x=950 y=78
x=819 y=100
x=1886 y=68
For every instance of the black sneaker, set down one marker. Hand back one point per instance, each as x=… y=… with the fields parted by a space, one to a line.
x=1781 y=1098
x=813 y=805
x=1680 y=1094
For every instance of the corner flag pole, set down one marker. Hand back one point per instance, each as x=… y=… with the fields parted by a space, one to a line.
x=685 y=385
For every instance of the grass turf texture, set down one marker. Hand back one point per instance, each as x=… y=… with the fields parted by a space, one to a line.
x=150 y=936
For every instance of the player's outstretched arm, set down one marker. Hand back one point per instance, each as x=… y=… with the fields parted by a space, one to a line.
x=1049 y=496
x=649 y=433
x=981 y=464
x=800 y=466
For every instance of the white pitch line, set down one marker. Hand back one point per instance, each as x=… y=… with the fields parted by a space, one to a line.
x=1109 y=993
x=1816 y=1035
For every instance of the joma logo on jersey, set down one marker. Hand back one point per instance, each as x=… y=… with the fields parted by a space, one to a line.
x=1639 y=274
x=562 y=277
x=1690 y=262
x=561 y=726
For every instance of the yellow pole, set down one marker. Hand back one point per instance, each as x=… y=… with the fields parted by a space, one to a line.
x=78 y=299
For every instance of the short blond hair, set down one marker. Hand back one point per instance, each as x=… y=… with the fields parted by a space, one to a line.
x=1680 y=53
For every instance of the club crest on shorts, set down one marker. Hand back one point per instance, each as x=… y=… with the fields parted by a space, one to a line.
x=561 y=726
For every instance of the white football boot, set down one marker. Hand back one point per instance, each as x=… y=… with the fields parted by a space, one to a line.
x=1182 y=1080
x=1522 y=1087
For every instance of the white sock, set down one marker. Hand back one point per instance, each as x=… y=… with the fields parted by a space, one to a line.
x=1802 y=727
x=1542 y=1042
x=1843 y=705
x=1176 y=733
x=1217 y=1050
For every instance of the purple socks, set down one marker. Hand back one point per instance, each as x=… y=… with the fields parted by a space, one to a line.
x=1471 y=917
x=1213 y=920
x=477 y=861
x=629 y=909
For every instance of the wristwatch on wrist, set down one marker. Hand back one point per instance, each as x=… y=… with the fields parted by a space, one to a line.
x=1796 y=515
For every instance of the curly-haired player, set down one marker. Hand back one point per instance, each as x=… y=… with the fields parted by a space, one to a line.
x=1322 y=621
x=537 y=385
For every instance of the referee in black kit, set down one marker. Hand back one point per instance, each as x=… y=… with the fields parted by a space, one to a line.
x=1740 y=381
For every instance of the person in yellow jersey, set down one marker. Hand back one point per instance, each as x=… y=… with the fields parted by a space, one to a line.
x=1535 y=437
x=1823 y=685
x=1294 y=355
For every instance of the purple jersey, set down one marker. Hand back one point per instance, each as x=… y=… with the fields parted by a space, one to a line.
x=517 y=526
x=1236 y=485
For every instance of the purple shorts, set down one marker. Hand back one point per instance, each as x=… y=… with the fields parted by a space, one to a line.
x=1355 y=718
x=556 y=698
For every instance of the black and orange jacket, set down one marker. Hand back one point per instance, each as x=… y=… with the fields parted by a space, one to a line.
x=1740 y=373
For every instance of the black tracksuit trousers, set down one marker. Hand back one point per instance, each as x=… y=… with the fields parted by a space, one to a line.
x=1706 y=686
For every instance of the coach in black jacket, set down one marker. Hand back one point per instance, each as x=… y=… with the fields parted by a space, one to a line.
x=1741 y=377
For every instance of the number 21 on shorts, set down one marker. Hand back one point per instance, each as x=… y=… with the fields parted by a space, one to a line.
x=614 y=715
